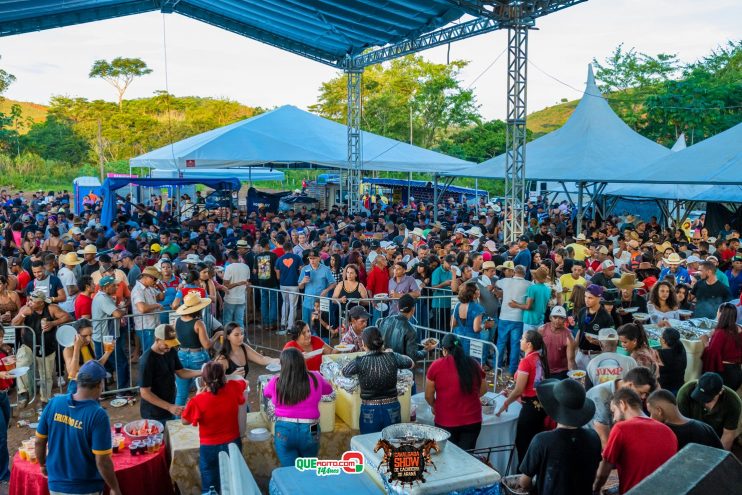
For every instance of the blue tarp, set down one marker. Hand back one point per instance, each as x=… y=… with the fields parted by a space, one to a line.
x=111 y=185
x=289 y=135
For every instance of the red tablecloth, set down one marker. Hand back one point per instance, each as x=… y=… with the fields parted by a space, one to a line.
x=141 y=475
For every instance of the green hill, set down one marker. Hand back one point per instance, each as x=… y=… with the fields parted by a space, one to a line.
x=550 y=118
x=34 y=111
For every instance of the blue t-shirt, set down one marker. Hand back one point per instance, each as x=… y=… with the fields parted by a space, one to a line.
x=288 y=268
x=524 y=258
x=319 y=280
x=76 y=431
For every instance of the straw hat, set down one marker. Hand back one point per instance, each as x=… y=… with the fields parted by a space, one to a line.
x=488 y=264
x=541 y=274
x=664 y=247
x=192 y=259
x=192 y=303
x=151 y=272
x=580 y=238
x=90 y=249
x=634 y=244
x=506 y=265
x=70 y=259
x=627 y=281
x=673 y=259
x=630 y=218
x=475 y=231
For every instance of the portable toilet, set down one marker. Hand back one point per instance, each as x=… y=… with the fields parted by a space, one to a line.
x=82 y=186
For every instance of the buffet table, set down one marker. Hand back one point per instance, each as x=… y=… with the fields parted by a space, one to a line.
x=145 y=474
x=496 y=431
x=456 y=471
x=183 y=444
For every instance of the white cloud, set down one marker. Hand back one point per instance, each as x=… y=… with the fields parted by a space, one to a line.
x=207 y=61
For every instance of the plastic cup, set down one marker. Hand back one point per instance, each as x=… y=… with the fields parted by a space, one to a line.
x=134 y=447
x=31 y=454
x=9 y=363
x=118 y=428
x=107 y=343
x=23 y=454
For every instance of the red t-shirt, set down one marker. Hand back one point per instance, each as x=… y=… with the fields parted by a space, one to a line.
x=531 y=364
x=637 y=447
x=23 y=279
x=313 y=363
x=378 y=281
x=83 y=306
x=452 y=406
x=279 y=252
x=216 y=415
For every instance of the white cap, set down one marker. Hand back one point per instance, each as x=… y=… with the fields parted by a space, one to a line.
x=559 y=311
x=608 y=264
x=607 y=334
x=693 y=259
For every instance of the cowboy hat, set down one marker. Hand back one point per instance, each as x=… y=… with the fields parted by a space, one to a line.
x=627 y=281
x=541 y=274
x=488 y=264
x=630 y=218
x=192 y=303
x=673 y=259
x=506 y=265
x=418 y=232
x=580 y=238
x=90 y=249
x=151 y=271
x=70 y=259
x=634 y=244
x=664 y=247
x=565 y=402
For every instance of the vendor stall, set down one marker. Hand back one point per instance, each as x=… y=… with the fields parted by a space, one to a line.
x=690 y=335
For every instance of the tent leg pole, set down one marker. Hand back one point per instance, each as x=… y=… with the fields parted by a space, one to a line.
x=580 y=213
x=435 y=197
x=409 y=186
x=476 y=195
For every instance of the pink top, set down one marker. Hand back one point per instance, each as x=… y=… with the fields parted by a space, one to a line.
x=306 y=409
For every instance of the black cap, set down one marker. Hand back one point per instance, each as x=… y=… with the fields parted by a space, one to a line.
x=450 y=259
x=356 y=245
x=375 y=244
x=707 y=387
x=406 y=303
x=357 y=312
x=523 y=238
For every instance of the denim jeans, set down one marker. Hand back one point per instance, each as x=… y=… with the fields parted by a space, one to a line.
x=191 y=361
x=234 y=312
x=4 y=421
x=119 y=358
x=377 y=417
x=293 y=440
x=268 y=306
x=288 y=309
x=512 y=331
x=146 y=338
x=208 y=464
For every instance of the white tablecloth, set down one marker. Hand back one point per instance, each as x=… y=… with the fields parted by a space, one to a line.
x=454 y=470
x=496 y=431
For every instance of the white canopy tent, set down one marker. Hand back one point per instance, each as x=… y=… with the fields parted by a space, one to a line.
x=289 y=135
x=594 y=145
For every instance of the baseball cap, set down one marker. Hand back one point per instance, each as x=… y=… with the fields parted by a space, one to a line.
x=607 y=334
x=91 y=371
x=558 y=311
x=406 y=302
x=450 y=259
x=167 y=333
x=603 y=250
x=595 y=290
x=707 y=387
x=106 y=281
x=693 y=259
x=608 y=264
x=357 y=312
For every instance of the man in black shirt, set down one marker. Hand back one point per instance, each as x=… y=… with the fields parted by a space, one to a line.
x=709 y=292
x=565 y=460
x=589 y=321
x=663 y=407
x=159 y=365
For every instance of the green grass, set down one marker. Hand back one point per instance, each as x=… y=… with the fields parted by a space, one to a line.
x=34 y=111
x=550 y=118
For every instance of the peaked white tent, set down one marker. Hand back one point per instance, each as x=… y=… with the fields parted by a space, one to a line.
x=594 y=145
x=289 y=135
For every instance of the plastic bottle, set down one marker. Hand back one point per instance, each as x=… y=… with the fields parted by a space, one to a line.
x=212 y=490
x=413 y=413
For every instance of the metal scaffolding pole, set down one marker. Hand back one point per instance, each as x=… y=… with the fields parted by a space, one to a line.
x=355 y=157
x=515 y=143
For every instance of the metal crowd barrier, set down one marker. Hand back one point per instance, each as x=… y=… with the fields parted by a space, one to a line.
x=11 y=332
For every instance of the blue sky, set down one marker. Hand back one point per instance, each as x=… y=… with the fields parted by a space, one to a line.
x=207 y=61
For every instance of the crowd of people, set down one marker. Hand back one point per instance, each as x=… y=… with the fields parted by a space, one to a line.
x=165 y=303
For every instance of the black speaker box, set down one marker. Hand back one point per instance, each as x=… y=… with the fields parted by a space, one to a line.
x=695 y=470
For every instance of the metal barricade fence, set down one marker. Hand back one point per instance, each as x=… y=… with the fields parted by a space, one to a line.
x=11 y=337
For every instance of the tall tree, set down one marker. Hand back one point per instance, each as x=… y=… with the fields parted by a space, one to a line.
x=476 y=143
x=409 y=99
x=8 y=135
x=119 y=73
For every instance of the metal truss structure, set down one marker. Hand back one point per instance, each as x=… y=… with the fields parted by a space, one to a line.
x=355 y=143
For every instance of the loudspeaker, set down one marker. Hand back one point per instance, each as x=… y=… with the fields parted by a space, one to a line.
x=695 y=470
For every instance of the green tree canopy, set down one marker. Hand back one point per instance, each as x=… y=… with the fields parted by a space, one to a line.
x=55 y=139
x=409 y=99
x=119 y=73
x=476 y=143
